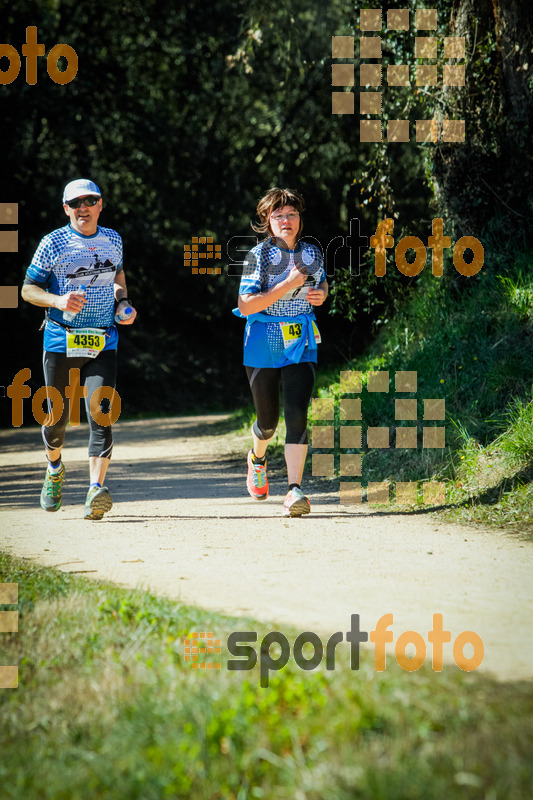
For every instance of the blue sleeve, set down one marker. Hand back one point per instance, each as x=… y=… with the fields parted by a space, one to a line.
x=40 y=269
x=252 y=277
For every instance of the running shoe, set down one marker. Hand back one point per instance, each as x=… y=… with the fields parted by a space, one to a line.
x=98 y=501
x=296 y=504
x=52 y=491
x=257 y=481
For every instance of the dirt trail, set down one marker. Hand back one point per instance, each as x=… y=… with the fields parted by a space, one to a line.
x=183 y=525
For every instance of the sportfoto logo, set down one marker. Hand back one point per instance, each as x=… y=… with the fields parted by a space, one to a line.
x=350 y=436
x=357 y=245
x=426 y=74
x=9 y=243
x=239 y=645
x=201 y=643
x=192 y=255
x=9 y=623
x=31 y=50
x=103 y=396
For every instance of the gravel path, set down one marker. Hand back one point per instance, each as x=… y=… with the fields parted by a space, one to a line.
x=183 y=525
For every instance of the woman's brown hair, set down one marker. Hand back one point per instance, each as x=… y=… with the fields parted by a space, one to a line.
x=273 y=199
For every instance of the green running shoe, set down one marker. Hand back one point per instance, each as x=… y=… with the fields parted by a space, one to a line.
x=52 y=491
x=97 y=502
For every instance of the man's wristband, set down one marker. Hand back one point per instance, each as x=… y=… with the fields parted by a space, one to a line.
x=124 y=298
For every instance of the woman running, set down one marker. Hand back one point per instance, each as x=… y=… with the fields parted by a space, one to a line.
x=283 y=279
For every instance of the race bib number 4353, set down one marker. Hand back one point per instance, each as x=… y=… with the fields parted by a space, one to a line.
x=86 y=342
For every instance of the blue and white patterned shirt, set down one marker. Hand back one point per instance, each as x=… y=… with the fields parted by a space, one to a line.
x=65 y=260
x=265 y=266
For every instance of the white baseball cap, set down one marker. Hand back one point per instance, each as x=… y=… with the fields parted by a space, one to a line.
x=80 y=188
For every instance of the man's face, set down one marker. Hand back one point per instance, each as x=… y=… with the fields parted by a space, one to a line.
x=84 y=219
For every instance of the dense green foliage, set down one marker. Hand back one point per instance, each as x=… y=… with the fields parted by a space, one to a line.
x=472 y=345
x=184 y=115
x=186 y=118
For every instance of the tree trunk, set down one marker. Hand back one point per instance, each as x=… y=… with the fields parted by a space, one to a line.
x=486 y=183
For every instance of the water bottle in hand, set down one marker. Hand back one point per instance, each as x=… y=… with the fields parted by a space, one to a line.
x=68 y=316
x=125 y=313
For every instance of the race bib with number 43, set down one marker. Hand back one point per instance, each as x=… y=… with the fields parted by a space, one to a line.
x=86 y=342
x=293 y=330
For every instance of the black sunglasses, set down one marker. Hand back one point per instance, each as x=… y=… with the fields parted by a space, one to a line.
x=91 y=200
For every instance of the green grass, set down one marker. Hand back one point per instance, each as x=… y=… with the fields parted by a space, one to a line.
x=493 y=483
x=470 y=342
x=106 y=708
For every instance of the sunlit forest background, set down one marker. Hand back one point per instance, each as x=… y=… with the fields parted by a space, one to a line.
x=186 y=113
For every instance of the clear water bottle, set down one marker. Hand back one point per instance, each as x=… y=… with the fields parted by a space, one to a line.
x=126 y=313
x=68 y=316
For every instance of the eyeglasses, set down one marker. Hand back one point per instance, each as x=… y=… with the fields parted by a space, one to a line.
x=279 y=217
x=91 y=200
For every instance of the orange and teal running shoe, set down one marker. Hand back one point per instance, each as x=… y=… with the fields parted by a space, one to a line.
x=257 y=481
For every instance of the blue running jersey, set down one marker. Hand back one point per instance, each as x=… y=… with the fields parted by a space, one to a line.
x=265 y=266
x=65 y=260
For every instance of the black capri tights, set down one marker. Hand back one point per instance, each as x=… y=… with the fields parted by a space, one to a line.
x=297 y=383
x=94 y=373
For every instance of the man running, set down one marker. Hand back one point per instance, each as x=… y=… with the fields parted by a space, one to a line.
x=81 y=254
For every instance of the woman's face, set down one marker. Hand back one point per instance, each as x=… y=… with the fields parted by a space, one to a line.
x=285 y=224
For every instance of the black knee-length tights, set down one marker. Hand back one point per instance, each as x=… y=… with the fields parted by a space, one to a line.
x=296 y=382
